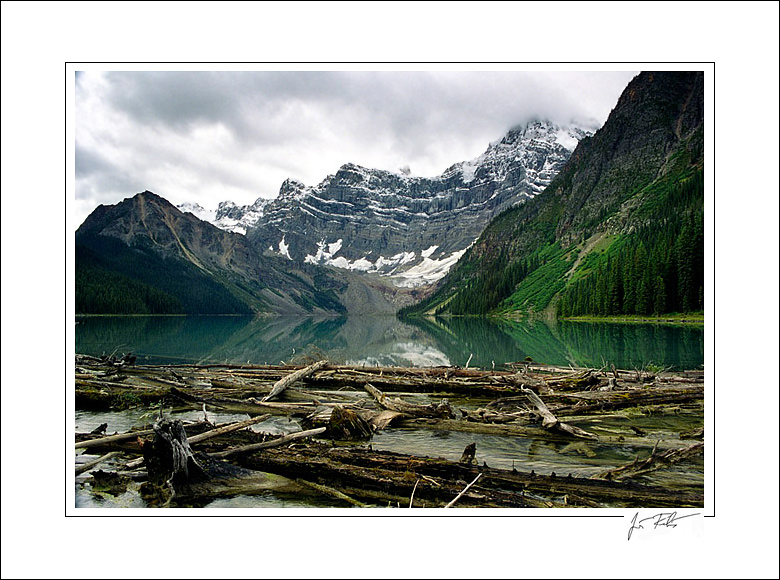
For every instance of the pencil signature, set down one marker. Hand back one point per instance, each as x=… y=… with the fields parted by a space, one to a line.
x=664 y=519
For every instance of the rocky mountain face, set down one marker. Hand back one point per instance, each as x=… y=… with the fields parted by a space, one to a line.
x=635 y=182
x=410 y=229
x=145 y=252
x=383 y=237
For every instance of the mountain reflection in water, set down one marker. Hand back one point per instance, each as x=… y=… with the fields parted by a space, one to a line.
x=388 y=341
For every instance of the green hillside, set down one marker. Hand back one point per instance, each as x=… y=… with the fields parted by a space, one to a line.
x=618 y=231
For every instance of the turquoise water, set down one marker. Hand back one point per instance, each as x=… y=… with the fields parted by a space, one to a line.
x=389 y=341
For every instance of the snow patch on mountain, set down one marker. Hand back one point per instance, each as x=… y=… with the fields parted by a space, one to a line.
x=207 y=215
x=427 y=253
x=284 y=249
x=381 y=265
x=427 y=271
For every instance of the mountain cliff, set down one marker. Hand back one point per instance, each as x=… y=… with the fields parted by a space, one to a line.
x=618 y=230
x=410 y=229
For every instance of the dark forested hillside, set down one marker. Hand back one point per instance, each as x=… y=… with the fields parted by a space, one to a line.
x=619 y=230
x=144 y=256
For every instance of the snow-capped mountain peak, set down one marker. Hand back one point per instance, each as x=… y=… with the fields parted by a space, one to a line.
x=412 y=229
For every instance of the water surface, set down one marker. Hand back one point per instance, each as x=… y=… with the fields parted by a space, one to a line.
x=419 y=342
x=391 y=342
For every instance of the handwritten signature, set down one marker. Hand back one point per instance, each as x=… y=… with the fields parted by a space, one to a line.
x=664 y=519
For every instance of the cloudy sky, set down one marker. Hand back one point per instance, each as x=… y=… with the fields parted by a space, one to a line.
x=207 y=137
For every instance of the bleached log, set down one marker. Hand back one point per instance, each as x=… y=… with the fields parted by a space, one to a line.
x=293 y=377
x=550 y=421
x=90 y=464
x=228 y=428
x=465 y=489
x=411 y=499
x=379 y=420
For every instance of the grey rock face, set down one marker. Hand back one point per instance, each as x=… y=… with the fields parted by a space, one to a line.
x=379 y=221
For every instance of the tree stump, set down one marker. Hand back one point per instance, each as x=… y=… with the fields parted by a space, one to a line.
x=168 y=458
x=347 y=425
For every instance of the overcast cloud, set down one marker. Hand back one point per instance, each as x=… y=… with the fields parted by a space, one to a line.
x=207 y=137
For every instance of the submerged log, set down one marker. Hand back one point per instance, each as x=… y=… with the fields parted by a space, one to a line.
x=329 y=491
x=653 y=462
x=292 y=378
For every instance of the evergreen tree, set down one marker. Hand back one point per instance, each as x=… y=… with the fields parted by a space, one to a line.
x=659 y=302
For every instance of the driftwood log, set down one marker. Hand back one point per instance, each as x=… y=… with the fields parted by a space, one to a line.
x=442 y=410
x=90 y=464
x=270 y=444
x=293 y=378
x=551 y=422
x=653 y=462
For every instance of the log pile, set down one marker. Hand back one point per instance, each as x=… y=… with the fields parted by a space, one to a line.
x=339 y=410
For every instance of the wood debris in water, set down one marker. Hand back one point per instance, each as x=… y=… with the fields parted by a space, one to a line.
x=191 y=464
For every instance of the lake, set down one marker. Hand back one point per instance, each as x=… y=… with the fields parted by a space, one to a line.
x=388 y=341
x=391 y=342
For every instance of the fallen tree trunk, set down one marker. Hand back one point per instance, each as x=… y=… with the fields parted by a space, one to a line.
x=655 y=461
x=249 y=406
x=551 y=422
x=90 y=464
x=598 y=402
x=269 y=444
x=292 y=378
x=383 y=476
x=228 y=428
x=113 y=439
x=324 y=489
x=443 y=409
x=531 y=431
